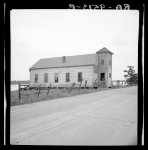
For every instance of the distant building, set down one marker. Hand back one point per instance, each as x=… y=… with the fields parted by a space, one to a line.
x=65 y=70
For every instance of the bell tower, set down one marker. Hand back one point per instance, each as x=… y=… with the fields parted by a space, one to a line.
x=104 y=61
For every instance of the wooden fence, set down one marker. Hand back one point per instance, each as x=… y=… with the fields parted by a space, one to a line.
x=97 y=84
x=118 y=83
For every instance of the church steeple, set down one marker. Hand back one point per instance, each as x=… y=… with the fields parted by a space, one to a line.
x=104 y=50
x=104 y=70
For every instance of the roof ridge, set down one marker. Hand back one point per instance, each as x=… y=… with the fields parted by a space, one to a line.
x=67 y=56
x=104 y=49
x=75 y=60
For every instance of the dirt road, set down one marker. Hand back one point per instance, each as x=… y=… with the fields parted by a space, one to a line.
x=101 y=118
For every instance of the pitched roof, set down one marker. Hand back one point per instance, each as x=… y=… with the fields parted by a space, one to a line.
x=78 y=60
x=56 y=62
x=104 y=50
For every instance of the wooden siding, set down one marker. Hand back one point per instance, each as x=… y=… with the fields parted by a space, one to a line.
x=87 y=74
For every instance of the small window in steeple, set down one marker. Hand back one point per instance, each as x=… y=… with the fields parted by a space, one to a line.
x=102 y=61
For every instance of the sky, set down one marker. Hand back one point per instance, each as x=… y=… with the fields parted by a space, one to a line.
x=37 y=34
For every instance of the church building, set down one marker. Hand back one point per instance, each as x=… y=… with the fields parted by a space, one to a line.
x=64 y=71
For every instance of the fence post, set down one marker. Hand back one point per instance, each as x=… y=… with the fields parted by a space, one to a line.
x=71 y=87
x=80 y=84
x=112 y=83
x=85 y=84
x=95 y=83
x=19 y=91
x=103 y=84
x=39 y=90
x=98 y=84
x=48 y=89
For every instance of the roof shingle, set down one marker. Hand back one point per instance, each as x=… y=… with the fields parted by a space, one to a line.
x=104 y=50
x=78 y=60
x=56 y=62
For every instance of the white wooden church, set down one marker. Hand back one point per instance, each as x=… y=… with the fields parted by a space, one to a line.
x=65 y=70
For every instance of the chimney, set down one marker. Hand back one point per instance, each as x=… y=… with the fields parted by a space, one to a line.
x=63 y=59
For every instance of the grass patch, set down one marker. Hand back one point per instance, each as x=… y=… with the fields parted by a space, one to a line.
x=30 y=96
